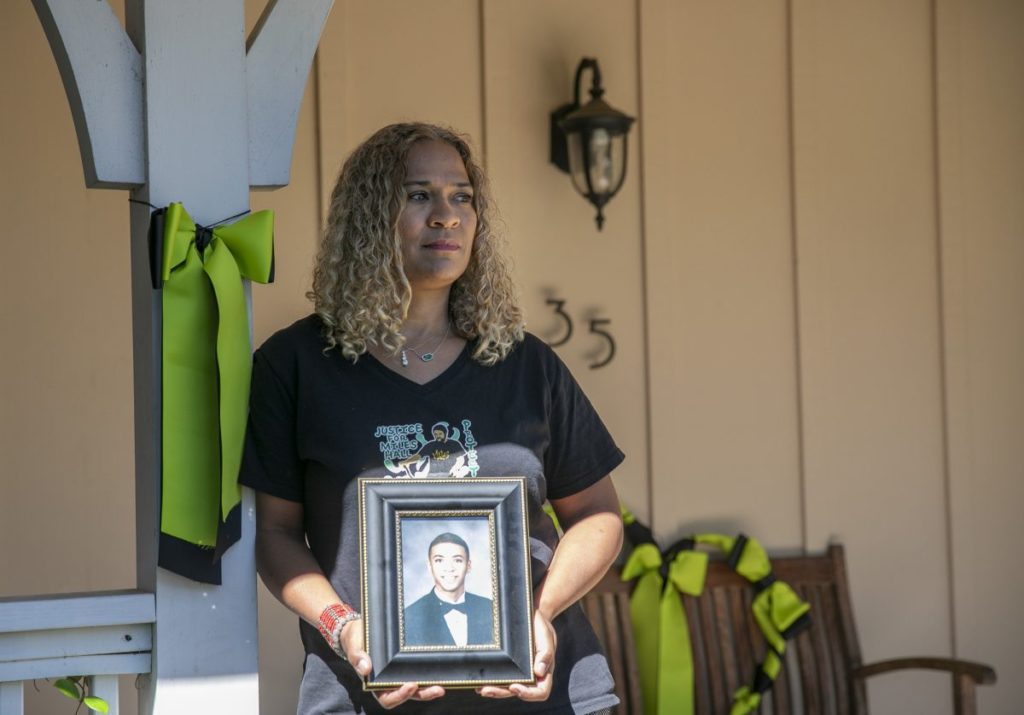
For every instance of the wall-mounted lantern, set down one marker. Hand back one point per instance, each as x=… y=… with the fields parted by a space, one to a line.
x=588 y=142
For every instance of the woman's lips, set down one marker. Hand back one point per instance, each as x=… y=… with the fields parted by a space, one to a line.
x=442 y=246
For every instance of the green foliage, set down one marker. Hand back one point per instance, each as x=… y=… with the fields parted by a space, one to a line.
x=76 y=687
x=97 y=704
x=68 y=688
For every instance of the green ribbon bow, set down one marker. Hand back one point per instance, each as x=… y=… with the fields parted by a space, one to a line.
x=645 y=611
x=662 y=635
x=777 y=610
x=660 y=629
x=686 y=573
x=207 y=363
x=745 y=700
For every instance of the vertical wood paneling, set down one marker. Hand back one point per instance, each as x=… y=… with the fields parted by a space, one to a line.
x=719 y=268
x=373 y=68
x=66 y=456
x=331 y=103
x=723 y=348
x=981 y=151
x=296 y=221
x=532 y=49
x=390 y=61
x=869 y=323
x=296 y=234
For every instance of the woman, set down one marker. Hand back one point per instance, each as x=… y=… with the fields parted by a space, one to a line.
x=416 y=364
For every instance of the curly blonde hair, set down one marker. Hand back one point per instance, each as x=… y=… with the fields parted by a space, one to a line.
x=360 y=290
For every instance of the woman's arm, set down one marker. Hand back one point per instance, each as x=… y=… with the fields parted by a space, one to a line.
x=293 y=576
x=591 y=540
x=285 y=562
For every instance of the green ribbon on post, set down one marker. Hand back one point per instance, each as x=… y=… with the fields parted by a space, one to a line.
x=207 y=364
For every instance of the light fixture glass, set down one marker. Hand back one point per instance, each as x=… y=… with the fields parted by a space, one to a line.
x=589 y=142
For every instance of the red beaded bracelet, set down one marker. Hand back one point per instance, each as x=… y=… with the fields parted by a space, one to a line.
x=332 y=620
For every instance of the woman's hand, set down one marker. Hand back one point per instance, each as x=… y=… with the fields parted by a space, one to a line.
x=352 y=645
x=543 y=666
x=294 y=577
x=592 y=539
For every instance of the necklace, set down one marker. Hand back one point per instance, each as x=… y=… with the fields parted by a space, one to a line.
x=425 y=357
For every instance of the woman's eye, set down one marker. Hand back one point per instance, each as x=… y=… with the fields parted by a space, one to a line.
x=464 y=198
x=417 y=196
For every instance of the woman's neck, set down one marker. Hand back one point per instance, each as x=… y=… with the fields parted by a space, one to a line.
x=431 y=344
x=428 y=315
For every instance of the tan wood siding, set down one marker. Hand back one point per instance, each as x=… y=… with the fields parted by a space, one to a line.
x=812 y=272
x=720 y=269
x=531 y=52
x=981 y=150
x=869 y=322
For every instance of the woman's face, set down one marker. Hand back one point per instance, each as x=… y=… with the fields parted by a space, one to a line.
x=438 y=223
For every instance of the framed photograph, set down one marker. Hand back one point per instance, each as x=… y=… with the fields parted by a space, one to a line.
x=447 y=593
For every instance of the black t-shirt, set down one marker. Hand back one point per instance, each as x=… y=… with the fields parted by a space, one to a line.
x=317 y=422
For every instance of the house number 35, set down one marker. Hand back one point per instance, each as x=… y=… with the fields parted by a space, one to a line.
x=598 y=327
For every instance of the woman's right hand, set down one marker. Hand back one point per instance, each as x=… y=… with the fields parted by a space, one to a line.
x=294 y=577
x=352 y=645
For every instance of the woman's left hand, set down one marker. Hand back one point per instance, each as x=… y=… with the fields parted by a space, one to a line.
x=543 y=666
x=592 y=539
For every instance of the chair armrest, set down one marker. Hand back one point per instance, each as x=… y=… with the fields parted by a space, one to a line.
x=978 y=672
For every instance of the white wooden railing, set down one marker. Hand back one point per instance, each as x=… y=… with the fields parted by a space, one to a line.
x=98 y=635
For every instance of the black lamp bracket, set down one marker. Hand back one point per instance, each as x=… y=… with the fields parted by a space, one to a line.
x=596 y=90
x=559 y=146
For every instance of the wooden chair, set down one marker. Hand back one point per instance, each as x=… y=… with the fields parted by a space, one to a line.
x=823 y=674
x=607 y=607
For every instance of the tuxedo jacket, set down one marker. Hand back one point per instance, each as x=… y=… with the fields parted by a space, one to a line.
x=425 y=623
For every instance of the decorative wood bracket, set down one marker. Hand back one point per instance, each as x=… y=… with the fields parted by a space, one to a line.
x=102 y=74
x=278 y=55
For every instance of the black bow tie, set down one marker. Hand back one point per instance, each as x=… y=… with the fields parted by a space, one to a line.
x=449 y=607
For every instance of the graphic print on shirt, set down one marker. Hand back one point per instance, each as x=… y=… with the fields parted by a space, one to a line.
x=446 y=452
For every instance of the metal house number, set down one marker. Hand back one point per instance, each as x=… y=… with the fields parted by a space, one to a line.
x=598 y=326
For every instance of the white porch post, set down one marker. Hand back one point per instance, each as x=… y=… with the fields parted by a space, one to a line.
x=204 y=656
x=183 y=112
x=12 y=698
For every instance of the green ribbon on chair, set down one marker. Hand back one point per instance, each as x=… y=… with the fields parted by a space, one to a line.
x=645 y=611
x=661 y=631
x=686 y=571
x=745 y=700
x=207 y=364
x=777 y=610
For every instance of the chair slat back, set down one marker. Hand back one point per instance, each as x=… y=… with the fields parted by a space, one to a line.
x=727 y=643
x=607 y=607
x=815 y=678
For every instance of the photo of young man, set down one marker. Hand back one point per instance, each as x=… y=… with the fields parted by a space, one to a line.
x=448 y=615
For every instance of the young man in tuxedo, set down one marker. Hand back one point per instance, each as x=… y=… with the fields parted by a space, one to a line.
x=448 y=615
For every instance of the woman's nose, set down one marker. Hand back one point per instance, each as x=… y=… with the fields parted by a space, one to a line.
x=443 y=216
